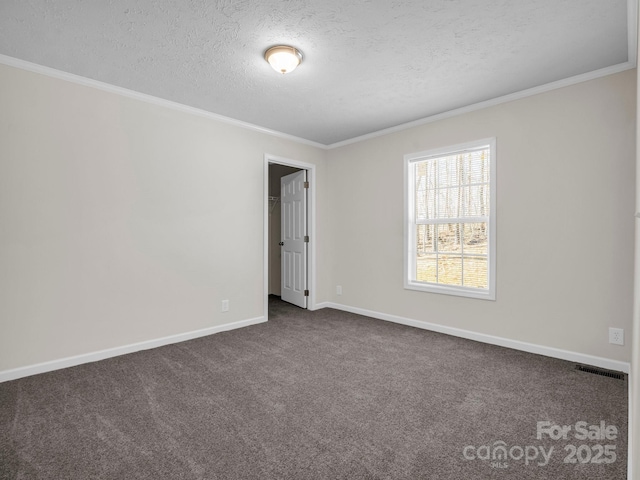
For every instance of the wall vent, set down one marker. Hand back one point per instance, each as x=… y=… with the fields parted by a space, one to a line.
x=601 y=371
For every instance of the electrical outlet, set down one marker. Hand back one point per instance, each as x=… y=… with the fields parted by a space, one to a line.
x=616 y=336
x=225 y=305
x=338 y=289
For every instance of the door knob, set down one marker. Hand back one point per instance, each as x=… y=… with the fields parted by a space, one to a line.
x=281 y=244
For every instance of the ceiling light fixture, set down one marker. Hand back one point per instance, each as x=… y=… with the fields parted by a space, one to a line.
x=283 y=59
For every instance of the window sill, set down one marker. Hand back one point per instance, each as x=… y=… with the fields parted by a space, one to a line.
x=451 y=290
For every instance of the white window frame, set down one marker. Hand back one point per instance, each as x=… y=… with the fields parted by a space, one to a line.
x=410 y=248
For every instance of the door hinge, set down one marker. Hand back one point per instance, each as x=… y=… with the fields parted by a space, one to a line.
x=306 y=239
x=306 y=293
x=306 y=184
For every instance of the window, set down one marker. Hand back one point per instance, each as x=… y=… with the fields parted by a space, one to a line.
x=450 y=221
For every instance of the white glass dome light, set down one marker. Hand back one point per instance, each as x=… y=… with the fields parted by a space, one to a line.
x=283 y=59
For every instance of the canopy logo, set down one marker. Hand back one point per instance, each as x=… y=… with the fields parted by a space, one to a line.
x=498 y=454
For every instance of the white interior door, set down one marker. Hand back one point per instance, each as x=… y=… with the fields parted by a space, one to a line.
x=294 y=240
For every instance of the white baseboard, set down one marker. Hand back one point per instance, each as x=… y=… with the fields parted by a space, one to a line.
x=615 y=365
x=320 y=306
x=16 y=373
x=490 y=339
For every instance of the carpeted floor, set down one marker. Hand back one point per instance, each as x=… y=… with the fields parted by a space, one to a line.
x=315 y=395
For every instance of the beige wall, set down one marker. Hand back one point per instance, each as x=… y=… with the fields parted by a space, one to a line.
x=634 y=377
x=565 y=202
x=122 y=221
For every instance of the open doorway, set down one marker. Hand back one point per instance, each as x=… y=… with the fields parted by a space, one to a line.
x=276 y=172
x=277 y=250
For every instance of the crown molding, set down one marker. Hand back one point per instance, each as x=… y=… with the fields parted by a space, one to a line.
x=632 y=29
x=585 y=77
x=106 y=87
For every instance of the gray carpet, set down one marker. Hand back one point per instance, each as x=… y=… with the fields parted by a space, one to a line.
x=312 y=395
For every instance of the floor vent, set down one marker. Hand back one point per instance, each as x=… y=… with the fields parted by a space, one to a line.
x=601 y=371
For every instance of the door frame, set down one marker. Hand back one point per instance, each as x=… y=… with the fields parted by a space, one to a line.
x=311 y=227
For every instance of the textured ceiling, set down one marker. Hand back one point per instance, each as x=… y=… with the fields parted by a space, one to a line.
x=369 y=64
